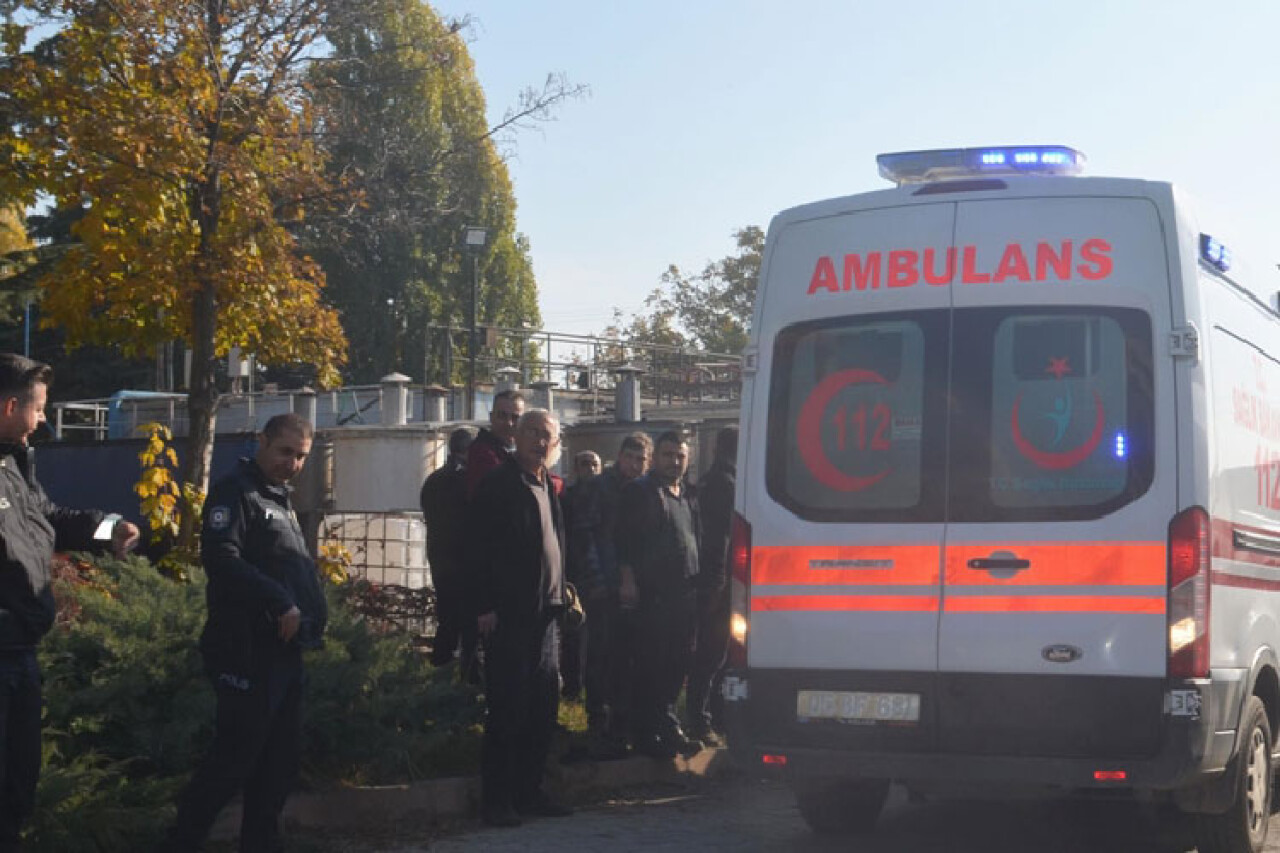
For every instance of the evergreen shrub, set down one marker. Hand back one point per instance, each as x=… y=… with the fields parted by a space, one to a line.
x=129 y=712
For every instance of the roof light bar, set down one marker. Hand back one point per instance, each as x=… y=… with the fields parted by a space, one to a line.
x=949 y=164
x=1214 y=253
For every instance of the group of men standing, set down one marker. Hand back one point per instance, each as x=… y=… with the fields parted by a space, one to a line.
x=510 y=548
x=649 y=552
x=645 y=551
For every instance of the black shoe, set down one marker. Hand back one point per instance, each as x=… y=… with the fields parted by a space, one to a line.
x=656 y=747
x=707 y=737
x=543 y=806
x=502 y=816
x=682 y=745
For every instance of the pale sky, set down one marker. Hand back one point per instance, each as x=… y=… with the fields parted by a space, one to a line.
x=709 y=115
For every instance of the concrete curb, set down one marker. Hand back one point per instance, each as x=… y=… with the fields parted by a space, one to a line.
x=438 y=800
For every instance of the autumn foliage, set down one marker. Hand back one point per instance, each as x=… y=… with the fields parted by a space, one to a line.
x=177 y=126
x=184 y=133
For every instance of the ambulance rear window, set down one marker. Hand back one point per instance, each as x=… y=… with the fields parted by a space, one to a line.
x=1052 y=413
x=981 y=414
x=848 y=415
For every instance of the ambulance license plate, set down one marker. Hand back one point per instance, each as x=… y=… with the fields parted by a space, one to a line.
x=857 y=707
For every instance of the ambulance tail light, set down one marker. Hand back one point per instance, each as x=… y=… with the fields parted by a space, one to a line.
x=1189 y=594
x=739 y=590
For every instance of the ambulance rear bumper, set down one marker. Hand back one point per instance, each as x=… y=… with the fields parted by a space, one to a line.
x=1110 y=751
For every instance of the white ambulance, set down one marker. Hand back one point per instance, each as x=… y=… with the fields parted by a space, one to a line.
x=1008 y=509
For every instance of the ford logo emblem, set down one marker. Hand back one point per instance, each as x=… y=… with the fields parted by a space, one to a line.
x=1061 y=654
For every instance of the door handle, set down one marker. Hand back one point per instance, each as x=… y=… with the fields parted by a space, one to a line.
x=1000 y=561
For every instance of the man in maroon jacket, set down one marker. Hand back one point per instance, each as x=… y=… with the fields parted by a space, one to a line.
x=494 y=445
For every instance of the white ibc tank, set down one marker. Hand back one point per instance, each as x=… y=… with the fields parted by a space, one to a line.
x=381 y=470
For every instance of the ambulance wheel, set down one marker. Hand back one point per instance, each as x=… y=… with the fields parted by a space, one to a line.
x=1242 y=828
x=841 y=806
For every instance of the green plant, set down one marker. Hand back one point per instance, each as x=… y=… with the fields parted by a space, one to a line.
x=129 y=711
x=127 y=708
x=378 y=712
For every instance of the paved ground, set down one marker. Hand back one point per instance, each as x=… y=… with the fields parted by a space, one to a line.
x=757 y=816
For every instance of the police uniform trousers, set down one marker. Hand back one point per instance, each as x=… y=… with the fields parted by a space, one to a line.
x=256 y=746
x=20 y=705
x=522 y=695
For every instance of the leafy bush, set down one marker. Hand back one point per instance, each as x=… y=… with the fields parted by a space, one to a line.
x=129 y=712
x=379 y=713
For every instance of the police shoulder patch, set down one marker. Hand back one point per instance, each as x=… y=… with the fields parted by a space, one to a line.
x=219 y=518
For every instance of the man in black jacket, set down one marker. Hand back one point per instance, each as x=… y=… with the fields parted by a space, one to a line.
x=516 y=531
x=593 y=523
x=657 y=543
x=31 y=526
x=265 y=606
x=494 y=444
x=444 y=502
x=715 y=505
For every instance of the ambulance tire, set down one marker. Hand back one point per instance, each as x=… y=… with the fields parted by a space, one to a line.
x=1242 y=828
x=841 y=806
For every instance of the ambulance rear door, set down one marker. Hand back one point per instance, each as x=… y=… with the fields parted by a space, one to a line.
x=1052 y=632
x=847 y=533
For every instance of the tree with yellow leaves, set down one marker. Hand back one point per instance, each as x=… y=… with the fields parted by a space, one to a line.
x=186 y=131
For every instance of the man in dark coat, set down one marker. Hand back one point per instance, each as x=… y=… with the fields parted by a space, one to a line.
x=265 y=606
x=443 y=500
x=516 y=531
x=31 y=526
x=586 y=466
x=715 y=506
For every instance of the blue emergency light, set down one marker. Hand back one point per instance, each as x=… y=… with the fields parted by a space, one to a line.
x=1122 y=446
x=1214 y=253
x=949 y=164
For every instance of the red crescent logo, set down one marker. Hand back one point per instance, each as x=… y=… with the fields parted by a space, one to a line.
x=809 y=431
x=1067 y=458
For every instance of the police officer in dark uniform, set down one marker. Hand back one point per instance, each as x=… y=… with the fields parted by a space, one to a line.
x=30 y=526
x=265 y=607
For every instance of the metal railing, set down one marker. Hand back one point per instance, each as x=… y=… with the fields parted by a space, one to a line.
x=585 y=364
x=588 y=362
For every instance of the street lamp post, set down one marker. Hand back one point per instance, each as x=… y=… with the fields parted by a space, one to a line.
x=474 y=238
